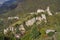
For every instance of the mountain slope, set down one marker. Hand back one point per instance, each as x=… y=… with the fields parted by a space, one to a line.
x=9 y=5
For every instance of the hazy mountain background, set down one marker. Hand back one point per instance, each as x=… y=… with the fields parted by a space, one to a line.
x=15 y=7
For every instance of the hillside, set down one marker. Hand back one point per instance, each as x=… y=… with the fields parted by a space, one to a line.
x=31 y=20
x=32 y=5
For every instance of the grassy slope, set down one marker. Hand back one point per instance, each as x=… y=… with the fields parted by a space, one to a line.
x=53 y=23
x=33 y=5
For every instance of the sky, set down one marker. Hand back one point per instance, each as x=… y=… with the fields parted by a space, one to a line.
x=2 y=1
